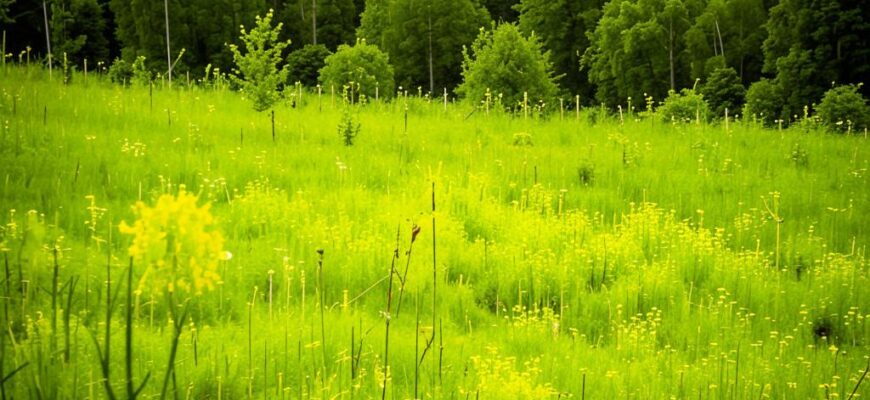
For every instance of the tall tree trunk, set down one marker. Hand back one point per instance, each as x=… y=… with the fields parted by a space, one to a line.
x=715 y=47
x=47 y=40
x=168 y=54
x=742 y=53
x=671 y=51
x=431 y=73
x=721 y=46
x=314 y=21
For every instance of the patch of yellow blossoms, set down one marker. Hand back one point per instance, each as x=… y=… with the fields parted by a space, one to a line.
x=178 y=242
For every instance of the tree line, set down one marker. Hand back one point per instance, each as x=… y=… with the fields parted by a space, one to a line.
x=603 y=51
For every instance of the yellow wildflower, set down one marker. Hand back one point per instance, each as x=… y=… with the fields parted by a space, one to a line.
x=178 y=242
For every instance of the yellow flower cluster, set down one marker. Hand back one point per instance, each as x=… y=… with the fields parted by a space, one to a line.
x=178 y=242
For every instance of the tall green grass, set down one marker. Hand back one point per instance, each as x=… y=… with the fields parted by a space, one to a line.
x=596 y=260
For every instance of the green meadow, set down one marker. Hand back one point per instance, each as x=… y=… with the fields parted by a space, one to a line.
x=451 y=252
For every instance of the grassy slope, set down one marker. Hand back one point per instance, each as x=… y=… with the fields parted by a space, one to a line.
x=655 y=278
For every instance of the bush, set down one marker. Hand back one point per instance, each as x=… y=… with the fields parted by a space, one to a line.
x=505 y=62
x=763 y=101
x=685 y=106
x=141 y=74
x=305 y=64
x=348 y=128
x=724 y=90
x=363 y=67
x=843 y=109
x=120 y=71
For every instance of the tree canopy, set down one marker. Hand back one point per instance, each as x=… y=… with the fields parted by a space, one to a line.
x=362 y=68
x=333 y=19
x=561 y=26
x=257 y=69
x=605 y=51
x=424 y=38
x=506 y=64
x=638 y=49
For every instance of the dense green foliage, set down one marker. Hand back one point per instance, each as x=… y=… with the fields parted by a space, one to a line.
x=502 y=10
x=602 y=51
x=637 y=50
x=561 y=26
x=728 y=33
x=305 y=64
x=843 y=109
x=257 y=70
x=120 y=72
x=811 y=44
x=374 y=21
x=4 y=10
x=724 y=91
x=685 y=106
x=763 y=102
x=722 y=262
x=362 y=69
x=425 y=40
x=334 y=20
x=505 y=64
x=78 y=28
x=202 y=28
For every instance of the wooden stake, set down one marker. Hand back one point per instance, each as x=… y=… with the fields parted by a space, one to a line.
x=445 y=99
x=577 y=106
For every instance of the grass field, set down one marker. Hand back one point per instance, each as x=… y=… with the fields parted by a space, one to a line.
x=464 y=254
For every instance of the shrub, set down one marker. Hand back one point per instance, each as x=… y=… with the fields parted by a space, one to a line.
x=685 y=106
x=724 y=90
x=348 y=129
x=505 y=62
x=305 y=64
x=843 y=108
x=257 y=72
x=763 y=101
x=140 y=74
x=363 y=67
x=120 y=71
x=523 y=139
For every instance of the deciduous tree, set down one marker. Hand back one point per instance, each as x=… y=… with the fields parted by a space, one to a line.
x=561 y=25
x=812 y=44
x=637 y=49
x=509 y=65
x=424 y=38
x=333 y=21
x=257 y=69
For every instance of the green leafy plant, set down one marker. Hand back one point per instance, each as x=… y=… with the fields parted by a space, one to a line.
x=724 y=90
x=523 y=139
x=348 y=128
x=799 y=155
x=686 y=106
x=763 y=101
x=140 y=73
x=843 y=109
x=257 y=72
x=120 y=71
x=505 y=62
x=305 y=64
x=363 y=67
x=586 y=173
